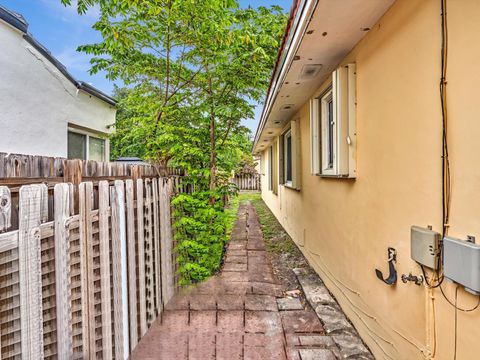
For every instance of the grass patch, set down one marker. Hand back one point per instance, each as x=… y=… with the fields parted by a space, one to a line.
x=276 y=238
x=231 y=212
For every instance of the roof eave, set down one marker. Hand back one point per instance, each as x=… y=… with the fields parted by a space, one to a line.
x=297 y=22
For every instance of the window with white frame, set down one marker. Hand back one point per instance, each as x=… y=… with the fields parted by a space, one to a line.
x=288 y=157
x=333 y=128
x=85 y=146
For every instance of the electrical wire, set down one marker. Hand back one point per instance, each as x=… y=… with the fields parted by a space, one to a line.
x=454 y=304
x=456 y=325
x=439 y=279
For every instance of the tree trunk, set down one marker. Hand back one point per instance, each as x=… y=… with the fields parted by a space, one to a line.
x=213 y=154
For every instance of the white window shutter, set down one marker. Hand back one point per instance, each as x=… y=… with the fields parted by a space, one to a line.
x=314 y=136
x=352 y=120
x=281 y=162
x=340 y=87
x=296 y=158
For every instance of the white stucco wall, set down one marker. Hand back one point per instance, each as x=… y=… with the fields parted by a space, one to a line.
x=37 y=102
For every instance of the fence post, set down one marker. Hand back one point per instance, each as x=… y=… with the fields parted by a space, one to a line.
x=103 y=204
x=62 y=272
x=141 y=258
x=132 y=275
x=156 y=248
x=82 y=208
x=30 y=271
x=119 y=257
x=149 y=265
x=166 y=241
x=5 y=208
x=72 y=171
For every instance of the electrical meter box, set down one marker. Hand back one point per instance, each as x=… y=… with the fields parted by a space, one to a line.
x=461 y=263
x=425 y=246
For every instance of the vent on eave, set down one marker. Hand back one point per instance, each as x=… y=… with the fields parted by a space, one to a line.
x=287 y=107
x=310 y=71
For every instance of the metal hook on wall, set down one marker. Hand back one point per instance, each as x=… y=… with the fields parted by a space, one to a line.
x=392 y=276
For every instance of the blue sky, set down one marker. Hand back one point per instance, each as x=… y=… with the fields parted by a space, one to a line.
x=61 y=30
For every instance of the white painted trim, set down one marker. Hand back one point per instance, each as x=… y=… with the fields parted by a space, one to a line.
x=88 y=134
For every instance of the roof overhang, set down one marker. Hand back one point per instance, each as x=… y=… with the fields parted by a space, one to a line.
x=319 y=36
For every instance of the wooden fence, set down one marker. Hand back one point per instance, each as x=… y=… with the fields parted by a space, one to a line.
x=84 y=269
x=247 y=181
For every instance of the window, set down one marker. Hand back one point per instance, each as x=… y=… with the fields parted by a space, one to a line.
x=289 y=159
x=328 y=131
x=287 y=146
x=82 y=145
x=272 y=168
x=332 y=126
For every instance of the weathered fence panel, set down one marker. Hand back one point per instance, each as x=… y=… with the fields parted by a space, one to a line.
x=84 y=269
x=247 y=181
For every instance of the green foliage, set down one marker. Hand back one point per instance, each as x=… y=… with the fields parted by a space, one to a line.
x=200 y=233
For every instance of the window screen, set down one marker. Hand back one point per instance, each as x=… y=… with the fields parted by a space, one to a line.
x=77 y=146
x=96 y=149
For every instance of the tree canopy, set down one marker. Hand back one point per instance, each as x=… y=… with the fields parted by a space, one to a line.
x=192 y=69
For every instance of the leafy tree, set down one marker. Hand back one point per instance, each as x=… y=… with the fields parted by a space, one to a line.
x=192 y=69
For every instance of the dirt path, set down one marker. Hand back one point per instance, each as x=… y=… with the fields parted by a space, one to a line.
x=242 y=313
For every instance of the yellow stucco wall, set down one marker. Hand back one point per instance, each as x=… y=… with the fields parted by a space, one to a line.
x=345 y=226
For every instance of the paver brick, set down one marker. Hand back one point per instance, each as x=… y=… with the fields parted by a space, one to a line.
x=316 y=354
x=236 y=252
x=230 y=321
x=230 y=302
x=230 y=266
x=175 y=320
x=238 y=245
x=263 y=288
x=316 y=340
x=289 y=304
x=203 y=302
x=229 y=347
x=203 y=320
x=350 y=345
x=260 y=302
x=234 y=276
x=301 y=322
x=262 y=322
x=333 y=318
x=201 y=346
x=236 y=259
x=262 y=353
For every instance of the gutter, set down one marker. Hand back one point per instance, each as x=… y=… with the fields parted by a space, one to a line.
x=300 y=15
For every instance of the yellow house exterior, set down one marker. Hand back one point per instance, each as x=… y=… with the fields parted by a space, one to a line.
x=345 y=205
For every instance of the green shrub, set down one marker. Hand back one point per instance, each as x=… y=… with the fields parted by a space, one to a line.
x=200 y=232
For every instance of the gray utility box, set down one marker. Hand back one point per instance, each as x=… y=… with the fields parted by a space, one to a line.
x=461 y=263
x=425 y=246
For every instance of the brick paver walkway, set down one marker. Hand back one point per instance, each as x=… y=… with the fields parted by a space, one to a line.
x=235 y=315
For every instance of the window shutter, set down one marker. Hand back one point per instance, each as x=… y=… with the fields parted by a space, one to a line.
x=281 y=163
x=314 y=136
x=352 y=120
x=275 y=167
x=296 y=158
x=340 y=85
x=270 y=168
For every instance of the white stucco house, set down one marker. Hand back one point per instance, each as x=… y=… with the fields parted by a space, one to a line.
x=44 y=110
